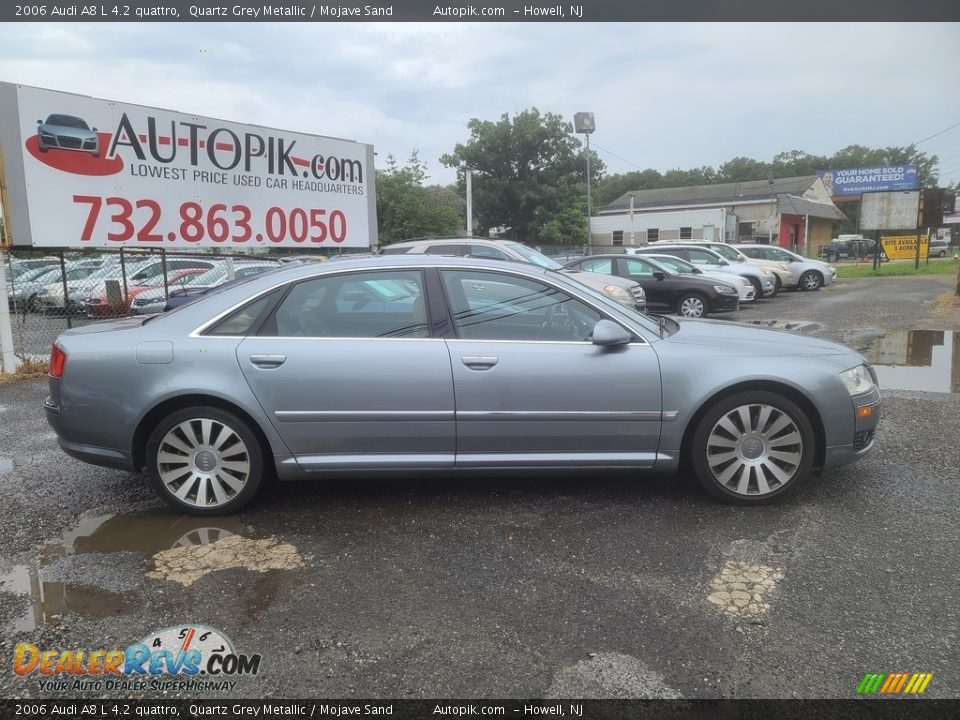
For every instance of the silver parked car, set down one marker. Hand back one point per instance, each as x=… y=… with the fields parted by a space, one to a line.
x=404 y=364
x=616 y=288
x=67 y=132
x=810 y=274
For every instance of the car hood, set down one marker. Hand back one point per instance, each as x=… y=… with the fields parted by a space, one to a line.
x=721 y=337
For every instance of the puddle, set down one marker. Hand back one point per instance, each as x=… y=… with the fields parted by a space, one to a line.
x=91 y=570
x=927 y=360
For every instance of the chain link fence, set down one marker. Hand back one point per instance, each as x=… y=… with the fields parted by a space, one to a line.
x=49 y=292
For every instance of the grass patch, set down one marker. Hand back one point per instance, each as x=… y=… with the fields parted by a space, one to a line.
x=27 y=370
x=897 y=268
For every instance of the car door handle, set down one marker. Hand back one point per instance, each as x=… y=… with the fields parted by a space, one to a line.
x=268 y=361
x=479 y=362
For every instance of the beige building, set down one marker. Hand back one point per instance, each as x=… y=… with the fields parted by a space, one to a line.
x=795 y=213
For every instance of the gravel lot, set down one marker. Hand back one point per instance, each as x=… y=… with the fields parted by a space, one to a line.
x=565 y=587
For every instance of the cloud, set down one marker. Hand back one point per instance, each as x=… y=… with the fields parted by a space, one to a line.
x=664 y=95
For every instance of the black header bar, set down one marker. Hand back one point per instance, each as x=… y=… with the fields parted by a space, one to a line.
x=485 y=11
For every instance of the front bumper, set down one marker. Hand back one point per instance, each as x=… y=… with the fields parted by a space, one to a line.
x=725 y=303
x=866 y=409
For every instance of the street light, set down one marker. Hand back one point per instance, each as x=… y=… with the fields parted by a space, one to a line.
x=584 y=123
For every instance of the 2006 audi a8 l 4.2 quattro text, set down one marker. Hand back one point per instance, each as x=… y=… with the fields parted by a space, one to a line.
x=458 y=366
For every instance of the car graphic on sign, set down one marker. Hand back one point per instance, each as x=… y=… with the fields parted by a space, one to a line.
x=67 y=132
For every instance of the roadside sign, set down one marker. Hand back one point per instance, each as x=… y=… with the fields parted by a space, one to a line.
x=86 y=172
x=904 y=247
x=890 y=210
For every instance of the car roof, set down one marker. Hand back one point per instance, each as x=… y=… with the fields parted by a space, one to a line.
x=418 y=242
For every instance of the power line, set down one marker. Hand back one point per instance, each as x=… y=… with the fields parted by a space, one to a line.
x=936 y=134
x=598 y=147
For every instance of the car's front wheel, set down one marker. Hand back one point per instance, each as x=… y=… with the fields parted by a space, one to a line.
x=693 y=305
x=204 y=461
x=811 y=280
x=753 y=447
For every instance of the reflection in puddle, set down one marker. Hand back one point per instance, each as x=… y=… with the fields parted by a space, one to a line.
x=112 y=551
x=927 y=360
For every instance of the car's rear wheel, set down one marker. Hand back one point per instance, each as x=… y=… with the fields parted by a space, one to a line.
x=204 y=461
x=811 y=280
x=693 y=305
x=753 y=447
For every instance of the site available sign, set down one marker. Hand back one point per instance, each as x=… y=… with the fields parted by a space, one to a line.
x=890 y=210
x=86 y=172
x=846 y=182
x=904 y=247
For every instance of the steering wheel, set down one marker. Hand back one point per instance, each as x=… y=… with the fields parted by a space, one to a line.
x=547 y=321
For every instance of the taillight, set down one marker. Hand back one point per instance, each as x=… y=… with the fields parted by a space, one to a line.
x=58 y=358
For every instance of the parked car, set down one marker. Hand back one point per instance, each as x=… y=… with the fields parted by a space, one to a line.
x=685 y=295
x=420 y=364
x=810 y=274
x=745 y=289
x=762 y=279
x=22 y=290
x=839 y=249
x=938 y=248
x=783 y=274
x=187 y=287
x=623 y=291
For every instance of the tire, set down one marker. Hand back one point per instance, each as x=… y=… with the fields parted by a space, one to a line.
x=757 y=287
x=942 y=253
x=811 y=280
x=693 y=305
x=776 y=287
x=226 y=439
x=722 y=427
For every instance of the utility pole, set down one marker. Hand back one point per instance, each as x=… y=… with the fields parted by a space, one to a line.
x=584 y=123
x=469 y=174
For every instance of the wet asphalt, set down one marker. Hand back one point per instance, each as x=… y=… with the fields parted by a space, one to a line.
x=589 y=586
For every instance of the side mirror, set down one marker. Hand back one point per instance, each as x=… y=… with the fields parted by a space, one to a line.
x=659 y=275
x=93 y=129
x=724 y=261
x=39 y=122
x=607 y=333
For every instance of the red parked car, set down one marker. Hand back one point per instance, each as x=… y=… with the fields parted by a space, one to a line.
x=98 y=305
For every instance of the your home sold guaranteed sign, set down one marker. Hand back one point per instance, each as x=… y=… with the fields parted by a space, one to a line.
x=85 y=172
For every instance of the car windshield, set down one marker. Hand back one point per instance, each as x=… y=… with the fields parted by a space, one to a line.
x=726 y=251
x=643 y=319
x=533 y=257
x=67 y=121
x=679 y=266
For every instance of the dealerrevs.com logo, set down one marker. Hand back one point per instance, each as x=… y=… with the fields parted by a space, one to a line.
x=188 y=657
x=69 y=144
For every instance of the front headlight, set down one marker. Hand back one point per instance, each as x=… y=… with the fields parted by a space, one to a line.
x=858 y=380
x=725 y=289
x=621 y=295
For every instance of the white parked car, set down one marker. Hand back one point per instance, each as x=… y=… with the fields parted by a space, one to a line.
x=810 y=274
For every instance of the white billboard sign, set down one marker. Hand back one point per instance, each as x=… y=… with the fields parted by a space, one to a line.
x=890 y=210
x=85 y=172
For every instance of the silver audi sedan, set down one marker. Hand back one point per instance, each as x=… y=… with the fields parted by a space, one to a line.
x=415 y=364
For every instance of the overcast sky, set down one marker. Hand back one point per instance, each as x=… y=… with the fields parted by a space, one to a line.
x=664 y=96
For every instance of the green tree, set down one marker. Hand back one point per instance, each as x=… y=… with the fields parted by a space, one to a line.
x=406 y=209
x=529 y=176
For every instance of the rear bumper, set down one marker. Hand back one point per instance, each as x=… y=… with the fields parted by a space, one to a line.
x=106 y=457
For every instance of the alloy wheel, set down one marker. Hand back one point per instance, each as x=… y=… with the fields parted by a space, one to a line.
x=203 y=462
x=754 y=449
